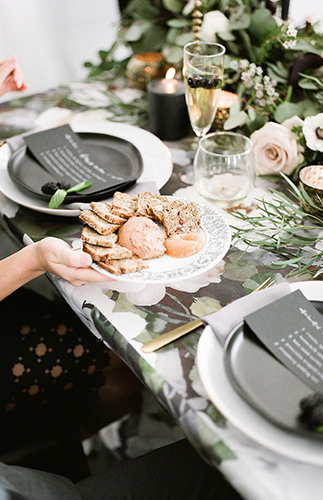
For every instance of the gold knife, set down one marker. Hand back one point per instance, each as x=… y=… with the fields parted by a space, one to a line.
x=169 y=337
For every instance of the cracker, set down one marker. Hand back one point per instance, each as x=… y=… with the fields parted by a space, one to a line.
x=97 y=223
x=124 y=266
x=103 y=254
x=124 y=204
x=91 y=236
x=104 y=211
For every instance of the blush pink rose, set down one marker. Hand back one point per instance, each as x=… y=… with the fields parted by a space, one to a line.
x=275 y=149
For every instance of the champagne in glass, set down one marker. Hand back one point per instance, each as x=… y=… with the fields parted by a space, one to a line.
x=203 y=74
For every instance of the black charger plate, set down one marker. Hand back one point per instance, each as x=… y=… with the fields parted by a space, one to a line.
x=263 y=382
x=113 y=153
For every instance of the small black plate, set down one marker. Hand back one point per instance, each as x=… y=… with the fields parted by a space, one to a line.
x=263 y=382
x=113 y=153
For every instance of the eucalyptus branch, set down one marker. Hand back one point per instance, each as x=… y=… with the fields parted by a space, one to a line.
x=284 y=229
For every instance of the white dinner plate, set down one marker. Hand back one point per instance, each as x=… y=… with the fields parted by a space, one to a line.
x=210 y=362
x=157 y=164
x=217 y=238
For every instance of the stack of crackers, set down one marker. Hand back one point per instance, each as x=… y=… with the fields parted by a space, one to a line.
x=100 y=234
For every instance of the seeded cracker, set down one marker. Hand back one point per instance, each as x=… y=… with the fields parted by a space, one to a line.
x=123 y=266
x=104 y=210
x=150 y=205
x=97 y=223
x=103 y=254
x=182 y=219
x=95 y=238
x=124 y=204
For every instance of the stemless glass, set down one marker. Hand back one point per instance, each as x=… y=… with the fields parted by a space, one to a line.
x=224 y=167
x=203 y=75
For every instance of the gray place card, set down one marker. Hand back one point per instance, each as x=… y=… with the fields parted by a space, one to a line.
x=63 y=154
x=292 y=330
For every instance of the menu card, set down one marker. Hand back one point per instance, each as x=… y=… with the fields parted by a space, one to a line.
x=292 y=330
x=63 y=154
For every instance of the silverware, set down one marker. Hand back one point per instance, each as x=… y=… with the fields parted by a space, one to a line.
x=180 y=331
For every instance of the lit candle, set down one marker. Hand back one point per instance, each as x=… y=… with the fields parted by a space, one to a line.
x=168 y=117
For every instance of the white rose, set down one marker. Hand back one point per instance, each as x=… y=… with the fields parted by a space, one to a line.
x=213 y=22
x=275 y=149
x=313 y=132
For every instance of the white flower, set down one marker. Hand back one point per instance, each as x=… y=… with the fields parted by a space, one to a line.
x=214 y=22
x=291 y=31
x=275 y=149
x=313 y=132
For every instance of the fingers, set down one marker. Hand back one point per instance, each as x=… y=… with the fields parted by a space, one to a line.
x=80 y=276
x=11 y=77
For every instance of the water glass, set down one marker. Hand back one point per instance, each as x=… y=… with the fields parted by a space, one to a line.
x=224 y=168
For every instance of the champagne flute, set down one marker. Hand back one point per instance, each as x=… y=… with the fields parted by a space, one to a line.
x=203 y=74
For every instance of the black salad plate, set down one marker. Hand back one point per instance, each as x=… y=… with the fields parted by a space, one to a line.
x=263 y=382
x=118 y=157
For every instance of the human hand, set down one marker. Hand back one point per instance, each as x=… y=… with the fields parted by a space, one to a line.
x=11 y=77
x=55 y=256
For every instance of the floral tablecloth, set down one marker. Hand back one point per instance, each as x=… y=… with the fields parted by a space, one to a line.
x=126 y=315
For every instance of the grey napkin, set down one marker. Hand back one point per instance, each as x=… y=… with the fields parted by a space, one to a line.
x=16 y=142
x=226 y=319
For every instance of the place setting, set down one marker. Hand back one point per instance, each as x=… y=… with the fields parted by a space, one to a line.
x=262 y=368
x=108 y=156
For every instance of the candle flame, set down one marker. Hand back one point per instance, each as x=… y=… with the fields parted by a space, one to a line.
x=170 y=73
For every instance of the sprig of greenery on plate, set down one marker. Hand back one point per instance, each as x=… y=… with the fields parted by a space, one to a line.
x=59 y=196
x=286 y=230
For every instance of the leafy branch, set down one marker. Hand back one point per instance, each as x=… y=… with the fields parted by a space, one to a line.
x=286 y=230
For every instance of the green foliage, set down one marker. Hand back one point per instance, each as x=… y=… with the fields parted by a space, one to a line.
x=286 y=228
x=254 y=35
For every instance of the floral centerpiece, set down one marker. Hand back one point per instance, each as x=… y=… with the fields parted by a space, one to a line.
x=275 y=68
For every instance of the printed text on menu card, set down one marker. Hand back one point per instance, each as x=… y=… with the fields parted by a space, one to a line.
x=292 y=329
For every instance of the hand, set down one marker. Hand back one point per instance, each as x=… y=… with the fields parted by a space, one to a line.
x=11 y=78
x=55 y=256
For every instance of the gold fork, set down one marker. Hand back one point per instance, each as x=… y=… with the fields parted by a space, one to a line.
x=180 y=331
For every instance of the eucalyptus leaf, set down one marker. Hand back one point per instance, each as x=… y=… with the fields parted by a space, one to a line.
x=262 y=24
x=306 y=84
x=183 y=39
x=178 y=23
x=278 y=72
x=312 y=78
x=304 y=45
x=287 y=110
x=173 y=5
x=226 y=36
x=235 y=108
x=152 y=39
x=136 y=31
x=141 y=9
x=277 y=76
x=241 y=23
x=236 y=120
x=173 y=54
